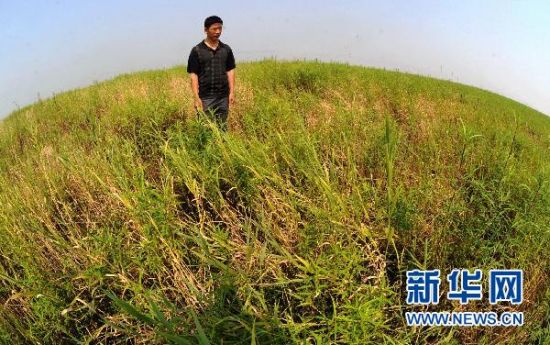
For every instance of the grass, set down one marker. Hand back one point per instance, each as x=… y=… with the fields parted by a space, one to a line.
x=125 y=219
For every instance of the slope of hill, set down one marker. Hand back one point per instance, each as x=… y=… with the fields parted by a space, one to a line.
x=125 y=219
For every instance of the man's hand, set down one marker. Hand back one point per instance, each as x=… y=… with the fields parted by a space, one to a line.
x=198 y=105
x=195 y=89
x=231 y=79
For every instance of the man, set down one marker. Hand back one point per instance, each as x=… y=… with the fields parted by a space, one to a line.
x=211 y=66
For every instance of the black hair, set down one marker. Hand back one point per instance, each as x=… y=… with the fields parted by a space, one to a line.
x=212 y=20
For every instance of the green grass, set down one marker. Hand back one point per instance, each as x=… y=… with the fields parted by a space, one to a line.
x=126 y=219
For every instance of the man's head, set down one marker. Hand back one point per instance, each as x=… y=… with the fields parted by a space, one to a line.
x=213 y=27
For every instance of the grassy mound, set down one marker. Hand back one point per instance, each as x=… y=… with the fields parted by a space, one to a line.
x=123 y=218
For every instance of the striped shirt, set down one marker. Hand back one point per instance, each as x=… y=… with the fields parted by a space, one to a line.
x=211 y=65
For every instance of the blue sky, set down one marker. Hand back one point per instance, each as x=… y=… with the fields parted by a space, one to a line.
x=52 y=46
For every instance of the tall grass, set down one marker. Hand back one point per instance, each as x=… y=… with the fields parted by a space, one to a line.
x=125 y=218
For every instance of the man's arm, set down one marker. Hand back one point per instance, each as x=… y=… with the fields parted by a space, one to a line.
x=193 y=68
x=231 y=78
x=230 y=70
x=195 y=88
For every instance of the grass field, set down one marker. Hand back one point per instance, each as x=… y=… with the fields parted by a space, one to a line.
x=125 y=219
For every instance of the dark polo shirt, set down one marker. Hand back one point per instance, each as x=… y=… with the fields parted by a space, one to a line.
x=211 y=67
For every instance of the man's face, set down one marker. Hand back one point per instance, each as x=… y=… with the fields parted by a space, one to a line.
x=214 y=31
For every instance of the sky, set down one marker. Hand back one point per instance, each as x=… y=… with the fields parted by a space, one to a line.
x=47 y=47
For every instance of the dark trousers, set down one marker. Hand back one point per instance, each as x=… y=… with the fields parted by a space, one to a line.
x=217 y=109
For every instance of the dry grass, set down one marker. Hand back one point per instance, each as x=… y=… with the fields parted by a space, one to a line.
x=126 y=220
